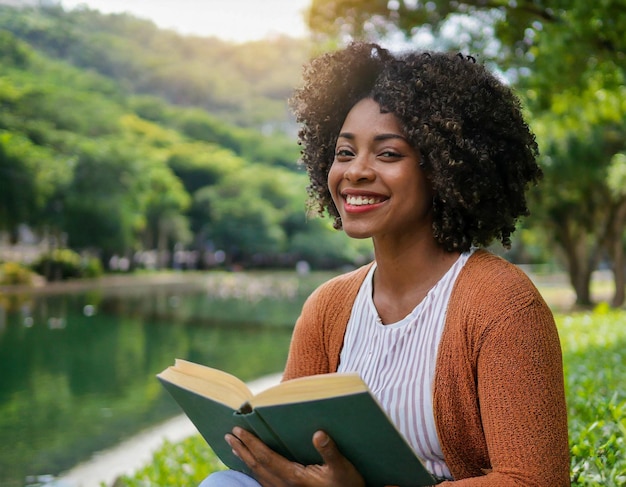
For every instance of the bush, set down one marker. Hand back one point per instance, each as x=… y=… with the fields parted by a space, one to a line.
x=12 y=273
x=63 y=264
x=184 y=463
x=92 y=267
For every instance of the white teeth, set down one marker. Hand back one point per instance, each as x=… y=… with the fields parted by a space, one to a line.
x=362 y=200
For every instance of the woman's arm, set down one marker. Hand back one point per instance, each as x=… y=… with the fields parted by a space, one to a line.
x=318 y=335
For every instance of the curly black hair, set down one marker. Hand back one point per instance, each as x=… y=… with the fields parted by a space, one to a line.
x=475 y=147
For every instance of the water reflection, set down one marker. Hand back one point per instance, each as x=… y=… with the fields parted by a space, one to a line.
x=78 y=369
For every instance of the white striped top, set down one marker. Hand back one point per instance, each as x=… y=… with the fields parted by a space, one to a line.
x=397 y=362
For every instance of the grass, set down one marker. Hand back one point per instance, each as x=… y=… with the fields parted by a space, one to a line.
x=594 y=354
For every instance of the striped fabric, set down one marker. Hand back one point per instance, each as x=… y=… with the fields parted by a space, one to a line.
x=397 y=362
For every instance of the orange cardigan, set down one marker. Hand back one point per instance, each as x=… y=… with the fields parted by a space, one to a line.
x=498 y=393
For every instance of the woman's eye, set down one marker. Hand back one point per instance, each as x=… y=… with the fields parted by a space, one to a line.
x=343 y=153
x=388 y=154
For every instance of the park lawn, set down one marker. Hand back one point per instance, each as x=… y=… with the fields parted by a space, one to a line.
x=594 y=355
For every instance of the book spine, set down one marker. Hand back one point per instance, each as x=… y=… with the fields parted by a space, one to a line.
x=258 y=426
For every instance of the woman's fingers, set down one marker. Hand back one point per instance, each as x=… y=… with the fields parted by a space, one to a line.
x=272 y=469
x=339 y=471
x=268 y=467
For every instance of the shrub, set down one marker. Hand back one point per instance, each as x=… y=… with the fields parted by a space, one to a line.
x=62 y=264
x=184 y=463
x=12 y=273
x=92 y=267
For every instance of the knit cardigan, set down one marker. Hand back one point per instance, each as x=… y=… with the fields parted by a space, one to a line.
x=498 y=392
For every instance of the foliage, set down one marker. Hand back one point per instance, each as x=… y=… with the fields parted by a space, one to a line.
x=28 y=176
x=12 y=273
x=63 y=264
x=184 y=463
x=580 y=127
x=247 y=210
x=594 y=354
x=125 y=169
x=324 y=248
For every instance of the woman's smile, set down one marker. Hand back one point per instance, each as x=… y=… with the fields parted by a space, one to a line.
x=360 y=202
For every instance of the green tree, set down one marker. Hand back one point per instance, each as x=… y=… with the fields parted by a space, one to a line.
x=17 y=184
x=583 y=202
x=12 y=51
x=324 y=247
x=567 y=58
x=103 y=208
x=248 y=211
x=29 y=177
x=165 y=203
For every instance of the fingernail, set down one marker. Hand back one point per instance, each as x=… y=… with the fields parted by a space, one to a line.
x=324 y=440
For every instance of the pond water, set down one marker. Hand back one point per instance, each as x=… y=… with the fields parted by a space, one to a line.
x=78 y=369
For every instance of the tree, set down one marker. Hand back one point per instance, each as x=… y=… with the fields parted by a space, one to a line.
x=583 y=202
x=120 y=196
x=246 y=84
x=17 y=186
x=30 y=175
x=248 y=210
x=100 y=208
x=165 y=203
x=567 y=59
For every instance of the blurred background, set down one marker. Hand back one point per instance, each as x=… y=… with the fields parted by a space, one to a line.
x=156 y=134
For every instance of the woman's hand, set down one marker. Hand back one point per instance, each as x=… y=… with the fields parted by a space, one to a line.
x=273 y=470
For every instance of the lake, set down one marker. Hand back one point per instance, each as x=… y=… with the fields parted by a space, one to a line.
x=78 y=368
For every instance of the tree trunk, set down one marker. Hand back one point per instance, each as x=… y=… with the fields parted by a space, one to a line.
x=580 y=277
x=582 y=258
x=616 y=251
x=619 y=278
x=162 y=251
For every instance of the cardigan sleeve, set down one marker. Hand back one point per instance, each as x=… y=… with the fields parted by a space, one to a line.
x=318 y=334
x=307 y=354
x=511 y=353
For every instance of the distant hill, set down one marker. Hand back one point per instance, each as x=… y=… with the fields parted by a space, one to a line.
x=246 y=84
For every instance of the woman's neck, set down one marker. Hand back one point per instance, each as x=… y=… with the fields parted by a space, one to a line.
x=405 y=273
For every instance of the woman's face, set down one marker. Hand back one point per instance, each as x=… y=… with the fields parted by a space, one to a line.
x=375 y=180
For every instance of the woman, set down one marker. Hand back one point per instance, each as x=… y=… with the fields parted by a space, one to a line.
x=429 y=156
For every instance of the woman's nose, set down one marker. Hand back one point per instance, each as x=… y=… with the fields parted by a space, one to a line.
x=359 y=169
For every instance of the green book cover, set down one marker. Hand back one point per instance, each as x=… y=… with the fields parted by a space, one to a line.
x=285 y=417
x=212 y=419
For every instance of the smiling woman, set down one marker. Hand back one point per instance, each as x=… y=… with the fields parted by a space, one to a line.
x=429 y=156
x=231 y=20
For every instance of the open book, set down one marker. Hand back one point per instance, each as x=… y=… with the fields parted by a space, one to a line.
x=285 y=417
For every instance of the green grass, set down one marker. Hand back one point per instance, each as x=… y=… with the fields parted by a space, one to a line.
x=176 y=464
x=594 y=354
